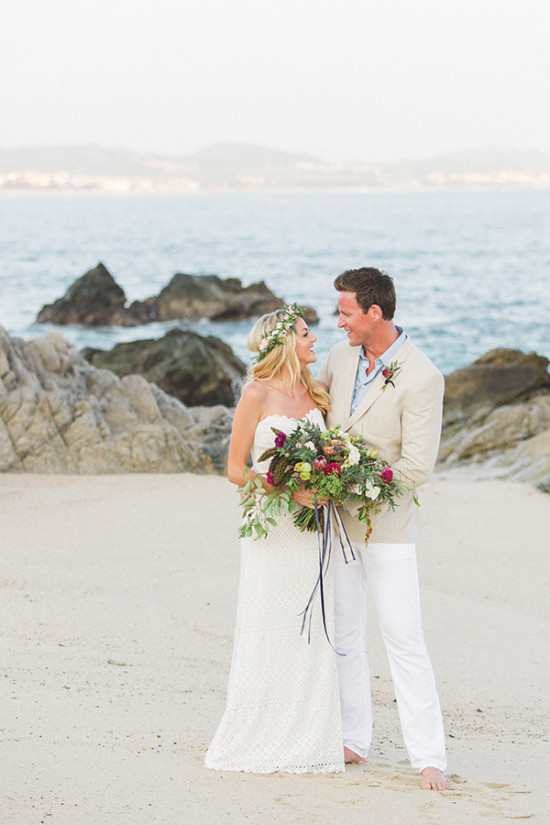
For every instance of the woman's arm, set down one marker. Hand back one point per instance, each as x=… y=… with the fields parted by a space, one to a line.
x=247 y=414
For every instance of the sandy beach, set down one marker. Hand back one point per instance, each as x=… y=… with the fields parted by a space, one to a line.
x=118 y=598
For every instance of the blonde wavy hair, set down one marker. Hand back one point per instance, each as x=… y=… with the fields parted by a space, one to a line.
x=280 y=356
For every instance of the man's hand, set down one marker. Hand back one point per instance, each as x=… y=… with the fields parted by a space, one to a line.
x=307 y=498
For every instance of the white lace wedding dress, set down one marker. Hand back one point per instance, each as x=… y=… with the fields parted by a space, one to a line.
x=283 y=711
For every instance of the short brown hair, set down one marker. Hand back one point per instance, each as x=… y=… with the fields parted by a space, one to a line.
x=371 y=286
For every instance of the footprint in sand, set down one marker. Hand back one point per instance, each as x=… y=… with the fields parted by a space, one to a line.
x=508 y=801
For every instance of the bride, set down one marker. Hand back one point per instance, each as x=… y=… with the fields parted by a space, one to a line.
x=282 y=711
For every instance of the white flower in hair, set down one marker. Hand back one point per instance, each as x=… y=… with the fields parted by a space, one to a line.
x=279 y=332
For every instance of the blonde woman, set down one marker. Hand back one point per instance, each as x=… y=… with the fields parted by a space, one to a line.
x=282 y=711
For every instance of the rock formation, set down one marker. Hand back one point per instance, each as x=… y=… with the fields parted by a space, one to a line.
x=59 y=414
x=496 y=417
x=199 y=371
x=206 y=296
x=95 y=299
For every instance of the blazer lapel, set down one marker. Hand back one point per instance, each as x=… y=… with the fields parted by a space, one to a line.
x=368 y=400
x=349 y=378
x=374 y=393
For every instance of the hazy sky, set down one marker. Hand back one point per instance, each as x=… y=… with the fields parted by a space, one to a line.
x=347 y=80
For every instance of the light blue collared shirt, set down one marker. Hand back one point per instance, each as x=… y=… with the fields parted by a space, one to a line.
x=363 y=382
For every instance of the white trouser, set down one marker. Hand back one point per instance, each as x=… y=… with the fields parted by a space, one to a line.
x=390 y=570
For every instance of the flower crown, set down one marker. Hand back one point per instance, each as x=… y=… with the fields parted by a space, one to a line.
x=279 y=332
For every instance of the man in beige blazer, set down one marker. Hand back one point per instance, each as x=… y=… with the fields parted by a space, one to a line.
x=385 y=389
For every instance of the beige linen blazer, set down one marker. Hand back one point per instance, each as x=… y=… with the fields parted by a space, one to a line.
x=403 y=422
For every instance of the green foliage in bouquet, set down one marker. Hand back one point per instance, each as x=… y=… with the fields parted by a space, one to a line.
x=261 y=508
x=332 y=464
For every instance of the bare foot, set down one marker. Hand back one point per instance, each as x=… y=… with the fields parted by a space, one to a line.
x=351 y=756
x=433 y=780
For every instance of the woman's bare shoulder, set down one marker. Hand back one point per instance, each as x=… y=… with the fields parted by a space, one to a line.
x=253 y=396
x=255 y=391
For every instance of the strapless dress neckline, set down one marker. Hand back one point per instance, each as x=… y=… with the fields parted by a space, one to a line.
x=290 y=417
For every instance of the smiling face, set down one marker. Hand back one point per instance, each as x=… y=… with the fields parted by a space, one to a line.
x=305 y=340
x=359 y=326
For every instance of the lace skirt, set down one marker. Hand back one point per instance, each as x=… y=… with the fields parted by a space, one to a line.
x=283 y=710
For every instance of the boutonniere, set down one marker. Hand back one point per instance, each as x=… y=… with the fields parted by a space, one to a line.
x=389 y=373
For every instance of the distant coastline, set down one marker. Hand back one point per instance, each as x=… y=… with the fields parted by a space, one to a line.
x=240 y=167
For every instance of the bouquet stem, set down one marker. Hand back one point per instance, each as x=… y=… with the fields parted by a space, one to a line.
x=304 y=519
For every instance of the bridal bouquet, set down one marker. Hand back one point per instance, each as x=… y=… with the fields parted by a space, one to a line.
x=334 y=465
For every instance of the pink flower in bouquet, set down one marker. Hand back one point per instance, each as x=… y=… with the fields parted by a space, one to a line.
x=280 y=439
x=320 y=464
x=328 y=450
x=386 y=475
x=333 y=467
x=269 y=478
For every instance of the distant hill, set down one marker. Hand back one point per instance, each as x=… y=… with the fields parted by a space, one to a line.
x=232 y=166
x=489 y=159
x=76 y=160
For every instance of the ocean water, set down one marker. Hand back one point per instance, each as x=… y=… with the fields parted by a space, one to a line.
x=471 y=268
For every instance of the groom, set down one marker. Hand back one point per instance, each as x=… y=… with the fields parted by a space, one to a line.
x=385 y=389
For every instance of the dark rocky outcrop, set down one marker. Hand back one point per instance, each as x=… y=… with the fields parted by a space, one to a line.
x=95 y=299
x=199 y=371
x=501 y=376
x=206 y=296
x=496 y=417
x=60 y=414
